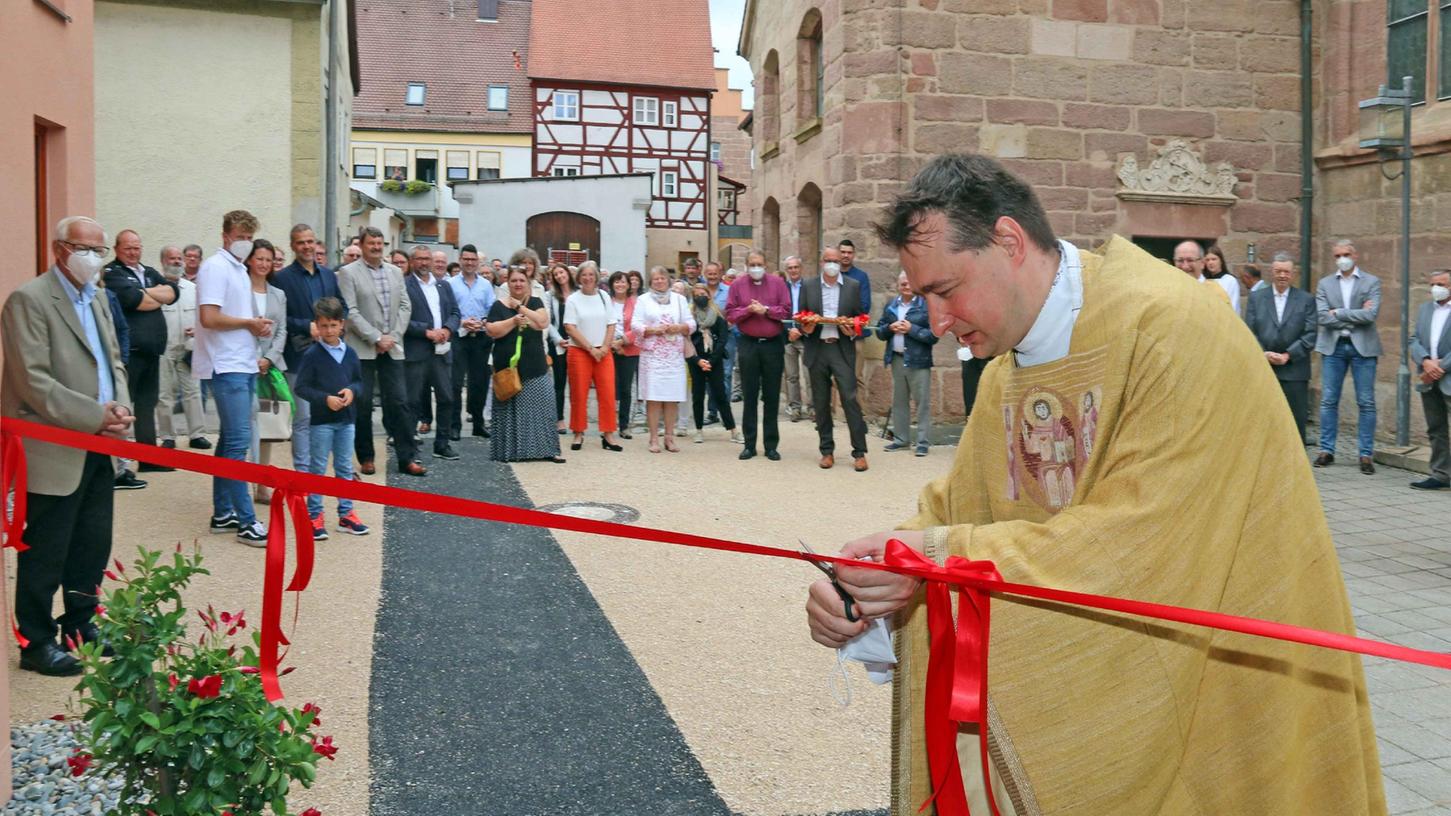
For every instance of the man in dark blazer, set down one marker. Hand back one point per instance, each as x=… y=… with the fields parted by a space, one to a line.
x=1431 y=355
x=830 y=354
x=63 y=368
x=432 y=326
x=142 y=292
x=1283 y=319
x=304 y=282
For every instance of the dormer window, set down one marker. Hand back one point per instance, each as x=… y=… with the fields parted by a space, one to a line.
x=416 y=93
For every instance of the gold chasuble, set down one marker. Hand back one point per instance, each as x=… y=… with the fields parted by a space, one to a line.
x=1157 y=462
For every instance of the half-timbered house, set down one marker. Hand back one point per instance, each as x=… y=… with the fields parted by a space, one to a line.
x=629 y=91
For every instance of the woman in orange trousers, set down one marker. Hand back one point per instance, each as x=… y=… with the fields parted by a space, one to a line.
x=589 y=318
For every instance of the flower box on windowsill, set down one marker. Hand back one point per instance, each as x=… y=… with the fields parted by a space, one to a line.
x=414 y=187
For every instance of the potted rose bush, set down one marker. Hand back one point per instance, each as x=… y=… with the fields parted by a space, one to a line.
x=182 y=719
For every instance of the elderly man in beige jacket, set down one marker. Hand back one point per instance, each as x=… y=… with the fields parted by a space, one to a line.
x=63 y=368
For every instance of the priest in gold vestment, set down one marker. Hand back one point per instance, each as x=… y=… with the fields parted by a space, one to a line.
x=1127 y=441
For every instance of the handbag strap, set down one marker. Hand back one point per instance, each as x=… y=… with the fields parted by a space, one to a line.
x=518 y=350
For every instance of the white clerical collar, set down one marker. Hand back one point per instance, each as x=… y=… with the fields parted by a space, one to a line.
x=1052 y=332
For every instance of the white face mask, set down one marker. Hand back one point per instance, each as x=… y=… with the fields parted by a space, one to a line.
x=85 y=265
x=240 y=249
x=756 y=272
x=1345 y=263
x=831 y=269
x=1439 y=292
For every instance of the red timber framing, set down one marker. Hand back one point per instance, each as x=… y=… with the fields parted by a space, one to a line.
x=592 y=129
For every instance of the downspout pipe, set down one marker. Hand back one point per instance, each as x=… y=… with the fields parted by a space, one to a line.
x=1307 y=144
x=329 y=128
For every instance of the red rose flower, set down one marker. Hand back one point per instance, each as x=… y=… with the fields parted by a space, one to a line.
x=79 y=763
x=325 y=748
x=310 y=812
x=314 y=711
x=205 y=688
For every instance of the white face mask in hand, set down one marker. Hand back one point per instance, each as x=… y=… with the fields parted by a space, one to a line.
x=873 y=649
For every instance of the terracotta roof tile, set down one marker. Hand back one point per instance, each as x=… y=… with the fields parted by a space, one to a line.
x=442 y=44
x=662 y=43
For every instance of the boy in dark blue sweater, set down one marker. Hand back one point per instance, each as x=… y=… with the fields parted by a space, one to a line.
x=329 y=377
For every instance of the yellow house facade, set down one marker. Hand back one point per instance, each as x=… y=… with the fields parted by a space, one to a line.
x=208 y=106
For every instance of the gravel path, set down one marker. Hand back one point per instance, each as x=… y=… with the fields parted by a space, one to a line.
x=42 y=781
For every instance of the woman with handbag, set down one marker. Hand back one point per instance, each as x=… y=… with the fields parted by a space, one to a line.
x=561 y=286
x=708 y=364
x=663 y=324
x=522 y=428
x=626 y=349
x=589 y=322
x=272 y=403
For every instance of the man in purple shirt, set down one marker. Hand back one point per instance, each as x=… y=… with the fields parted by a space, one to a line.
x=758 y=305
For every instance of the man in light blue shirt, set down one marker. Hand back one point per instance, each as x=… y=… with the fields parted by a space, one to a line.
x=475 y=296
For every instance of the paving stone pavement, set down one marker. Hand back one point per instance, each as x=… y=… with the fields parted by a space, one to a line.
x=1395 y=551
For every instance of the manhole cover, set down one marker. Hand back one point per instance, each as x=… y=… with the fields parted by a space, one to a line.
x=598 y=511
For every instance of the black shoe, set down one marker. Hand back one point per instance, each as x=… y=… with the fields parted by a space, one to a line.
x=454 y=436
x=607 y=445
x=169 y=444
x=446 y=453
x=711 y=419
x=147 y=467
x=126 y=480
x=88 y=633
x=773 y=455
x=1431 y=483
x=479 y=430
x=1324 y=459
x=200 y=443
x=225 y=524
x=48 y=659
x=747 y=454
x=576 y=445
x=1367 y=466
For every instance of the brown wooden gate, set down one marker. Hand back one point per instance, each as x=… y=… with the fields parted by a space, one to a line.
x=572 y=231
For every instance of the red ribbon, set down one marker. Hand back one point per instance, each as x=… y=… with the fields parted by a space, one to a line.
x=284 y=501
x=956 y=688
x=13 y=480
x=966 y=575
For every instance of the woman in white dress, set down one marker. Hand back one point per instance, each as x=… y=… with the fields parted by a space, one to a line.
x=661 y=323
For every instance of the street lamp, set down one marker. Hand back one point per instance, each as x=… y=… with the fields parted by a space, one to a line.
x=1385 y=126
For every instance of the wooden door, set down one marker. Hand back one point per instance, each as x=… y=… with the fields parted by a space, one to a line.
x=571 y=231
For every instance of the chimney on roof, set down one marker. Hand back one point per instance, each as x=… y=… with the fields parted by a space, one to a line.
x=489 y=10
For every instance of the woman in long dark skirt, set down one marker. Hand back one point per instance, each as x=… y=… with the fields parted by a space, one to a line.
x=708 y=364
x=522 y=428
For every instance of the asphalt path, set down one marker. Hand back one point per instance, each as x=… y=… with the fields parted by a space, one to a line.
x=499 y=687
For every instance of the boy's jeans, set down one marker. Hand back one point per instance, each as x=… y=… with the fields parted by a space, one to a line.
x=335 y=439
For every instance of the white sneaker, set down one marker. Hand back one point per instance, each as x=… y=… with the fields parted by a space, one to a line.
x=699 y=437
x=681 y=432
x=254 y=535
x=736 y=435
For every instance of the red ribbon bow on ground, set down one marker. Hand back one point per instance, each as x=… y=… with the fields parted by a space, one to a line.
x=956 y=686
x=12 y=478
x=284 y=501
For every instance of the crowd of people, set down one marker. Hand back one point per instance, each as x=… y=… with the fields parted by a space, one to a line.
x=301 y=352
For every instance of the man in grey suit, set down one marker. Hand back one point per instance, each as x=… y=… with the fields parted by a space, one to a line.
x=1431 y=350
x=378 y=311
x=63 y=368
x=1283 y=319
x=830 y=354
x=1347 y=304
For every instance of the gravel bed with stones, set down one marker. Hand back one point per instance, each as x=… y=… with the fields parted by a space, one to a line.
x=42 y=782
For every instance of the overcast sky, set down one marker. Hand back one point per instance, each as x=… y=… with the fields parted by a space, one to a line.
x=725 y=30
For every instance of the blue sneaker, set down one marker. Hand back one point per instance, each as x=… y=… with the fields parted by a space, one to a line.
x=352 y=525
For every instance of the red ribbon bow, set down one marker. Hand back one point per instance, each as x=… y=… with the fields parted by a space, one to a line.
x=12 y=477
x=956 y=685
x=284 y=501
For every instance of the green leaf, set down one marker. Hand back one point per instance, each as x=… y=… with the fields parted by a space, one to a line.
x=151 y=719
x=215 y=777
x=146 y=743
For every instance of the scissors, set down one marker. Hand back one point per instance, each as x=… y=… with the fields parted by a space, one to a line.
x=830 y=569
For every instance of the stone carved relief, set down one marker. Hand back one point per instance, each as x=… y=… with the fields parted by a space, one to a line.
x=1178 y=174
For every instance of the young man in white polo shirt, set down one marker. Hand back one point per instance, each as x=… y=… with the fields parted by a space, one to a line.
x=226 y=354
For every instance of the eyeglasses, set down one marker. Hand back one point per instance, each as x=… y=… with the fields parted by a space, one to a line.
x=98 y=251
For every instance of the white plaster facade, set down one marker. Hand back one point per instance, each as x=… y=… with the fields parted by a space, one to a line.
x=493 y=215
x=176 y=147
